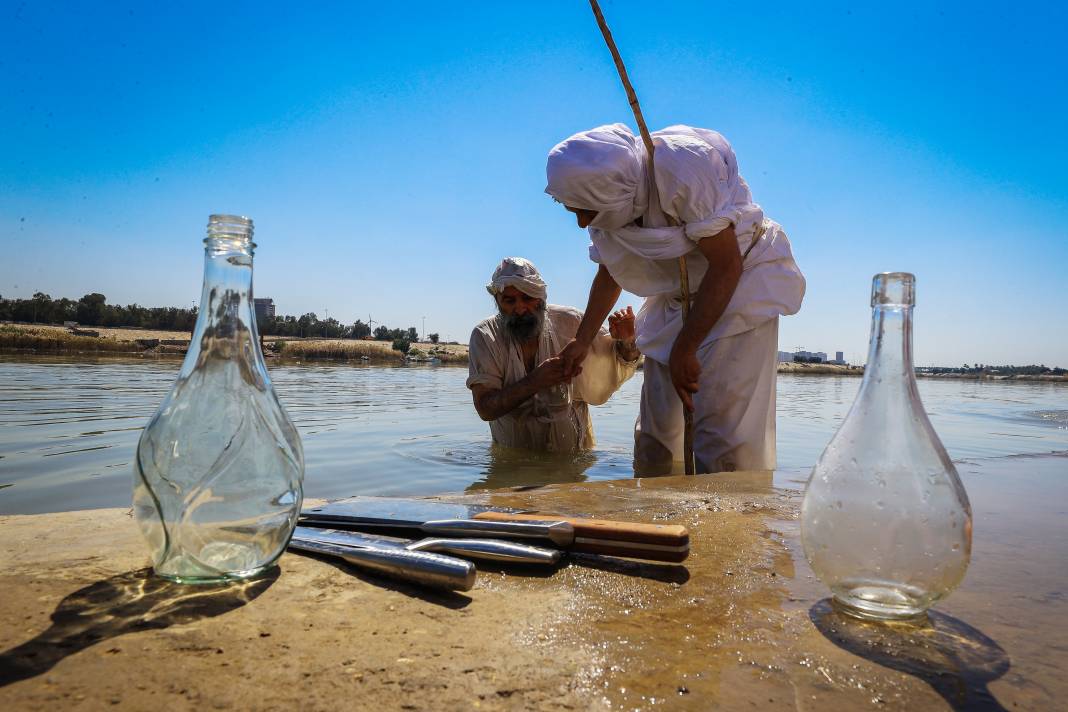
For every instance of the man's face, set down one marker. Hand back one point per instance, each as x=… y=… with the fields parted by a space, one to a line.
x=582 y=216
x=523 y=314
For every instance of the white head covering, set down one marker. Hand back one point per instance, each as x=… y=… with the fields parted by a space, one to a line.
x=519 y=273
x=602 y=169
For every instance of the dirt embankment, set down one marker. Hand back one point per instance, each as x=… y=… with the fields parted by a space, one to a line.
x=821 y=369
x=40 y=338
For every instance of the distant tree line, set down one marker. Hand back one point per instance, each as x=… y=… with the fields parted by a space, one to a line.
x=310 y=325
x=93 y=310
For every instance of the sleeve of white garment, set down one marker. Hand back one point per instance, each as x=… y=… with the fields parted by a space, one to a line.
x=603 y=371
x=482 y=366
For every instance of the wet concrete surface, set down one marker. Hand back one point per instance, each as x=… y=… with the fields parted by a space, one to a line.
x=741 y=625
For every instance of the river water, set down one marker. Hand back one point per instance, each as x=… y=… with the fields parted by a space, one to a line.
x=69 y=427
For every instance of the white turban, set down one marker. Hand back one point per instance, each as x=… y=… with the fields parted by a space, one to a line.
x=519 y=273
x=602 y=169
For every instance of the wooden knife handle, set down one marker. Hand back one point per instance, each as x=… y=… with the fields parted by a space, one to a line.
x=656 y=542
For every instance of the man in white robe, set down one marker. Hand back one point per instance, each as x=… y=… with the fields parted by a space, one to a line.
x=517 y=380
x=721 y=363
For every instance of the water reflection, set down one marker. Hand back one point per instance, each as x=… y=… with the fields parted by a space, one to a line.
x=510 y=467
x=955 y=659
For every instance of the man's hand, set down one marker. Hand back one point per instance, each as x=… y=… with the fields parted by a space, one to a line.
x=549 y=373
x=685 y=370
x=621 y=325
x=572 y=357
x=493 y=403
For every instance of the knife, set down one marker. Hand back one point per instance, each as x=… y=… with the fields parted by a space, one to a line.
x=561 y=534
x=422 y=567
x=490 y=549
x=653 y=542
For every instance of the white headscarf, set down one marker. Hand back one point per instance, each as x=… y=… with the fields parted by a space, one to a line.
x=601 y=169
x=519 y=273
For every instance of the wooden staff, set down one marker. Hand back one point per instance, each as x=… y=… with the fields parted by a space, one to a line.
x=684 y=275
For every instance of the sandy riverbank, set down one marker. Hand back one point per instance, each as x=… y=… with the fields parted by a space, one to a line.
x=741 y=625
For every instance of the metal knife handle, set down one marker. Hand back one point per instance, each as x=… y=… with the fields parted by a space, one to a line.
x=559 y=533
x=492 y=549
x=416 y=566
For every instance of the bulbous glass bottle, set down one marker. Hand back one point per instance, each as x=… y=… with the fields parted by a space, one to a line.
x=885 y=521
x=218 y=473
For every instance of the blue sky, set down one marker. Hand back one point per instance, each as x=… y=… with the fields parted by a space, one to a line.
x=392 y=154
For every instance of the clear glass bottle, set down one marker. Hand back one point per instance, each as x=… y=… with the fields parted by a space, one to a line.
x=217 y=481
x=885 y=521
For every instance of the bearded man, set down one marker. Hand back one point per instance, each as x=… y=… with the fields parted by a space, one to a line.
x=517 y=380
x=720 y=362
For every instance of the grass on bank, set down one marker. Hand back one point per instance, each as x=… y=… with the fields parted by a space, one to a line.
x=356 y=350
x=23 y=338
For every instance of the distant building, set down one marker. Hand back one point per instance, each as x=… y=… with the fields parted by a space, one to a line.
x=801 y=356
x=810 y=356
x=264 y=308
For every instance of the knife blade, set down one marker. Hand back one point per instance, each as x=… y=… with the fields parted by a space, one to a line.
x=489 y=549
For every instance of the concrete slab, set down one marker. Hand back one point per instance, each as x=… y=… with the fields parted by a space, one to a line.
x=742 y=625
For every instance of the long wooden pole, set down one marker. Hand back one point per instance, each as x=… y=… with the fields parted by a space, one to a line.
x=684 y=274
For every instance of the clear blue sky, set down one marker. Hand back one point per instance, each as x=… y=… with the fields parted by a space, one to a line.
x=391 y=154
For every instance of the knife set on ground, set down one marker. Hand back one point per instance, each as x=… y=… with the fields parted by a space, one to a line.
x=440 y=532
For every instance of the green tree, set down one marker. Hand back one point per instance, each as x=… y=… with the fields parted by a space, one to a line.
x=306 y=324
x=402 y=345
x=42 y=308
x=434 y=338
x=91 y=309
x=360 y=330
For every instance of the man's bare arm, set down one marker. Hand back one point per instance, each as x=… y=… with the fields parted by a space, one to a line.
x=493 y=403
x=713 y=296
x=604 y=293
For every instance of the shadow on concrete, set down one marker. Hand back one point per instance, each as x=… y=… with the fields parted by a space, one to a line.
x=667 y=573
x=125 y=603
x=956 y=660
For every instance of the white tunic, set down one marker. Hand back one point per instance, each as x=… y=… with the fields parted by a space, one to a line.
x=699 y=185
x=556 y=419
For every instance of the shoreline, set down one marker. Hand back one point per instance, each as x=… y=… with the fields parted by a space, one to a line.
x=40 y=339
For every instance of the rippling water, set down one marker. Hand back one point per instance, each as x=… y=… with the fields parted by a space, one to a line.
x=68 y=428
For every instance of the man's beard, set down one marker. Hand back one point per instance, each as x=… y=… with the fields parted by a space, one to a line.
x=526 y=326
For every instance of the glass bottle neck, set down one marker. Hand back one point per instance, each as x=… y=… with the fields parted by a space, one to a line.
x=890 y=349
x=226 y=322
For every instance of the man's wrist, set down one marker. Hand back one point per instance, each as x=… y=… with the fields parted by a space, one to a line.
x=584 y=340
x=684 y=344
x=627 y=349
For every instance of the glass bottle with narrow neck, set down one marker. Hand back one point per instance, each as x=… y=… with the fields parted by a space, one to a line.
x=219 y=467
x=885 y=521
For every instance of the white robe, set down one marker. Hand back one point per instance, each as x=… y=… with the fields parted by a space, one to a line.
x=698 y=184
x=556 y=419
